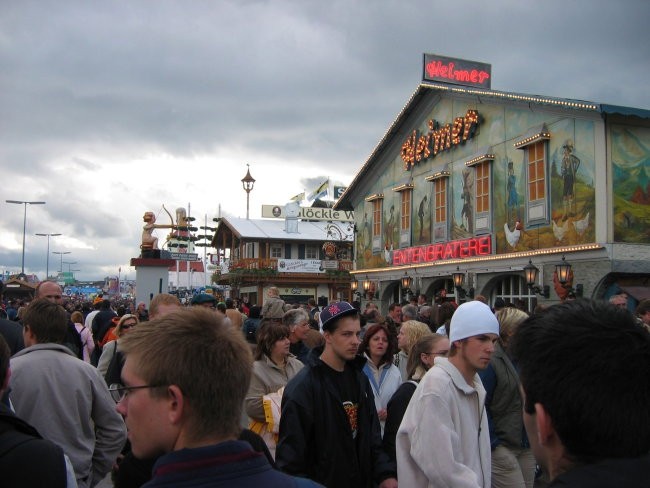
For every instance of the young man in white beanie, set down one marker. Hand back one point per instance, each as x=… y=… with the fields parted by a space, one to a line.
x=444 y=439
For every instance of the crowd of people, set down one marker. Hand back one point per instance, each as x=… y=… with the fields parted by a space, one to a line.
x=232 y=394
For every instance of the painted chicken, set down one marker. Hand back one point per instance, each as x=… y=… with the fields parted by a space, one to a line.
x=581 y=225
x=560 y=232
x=512 y=236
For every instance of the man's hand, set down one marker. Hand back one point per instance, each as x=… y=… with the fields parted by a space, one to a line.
x=388 y=483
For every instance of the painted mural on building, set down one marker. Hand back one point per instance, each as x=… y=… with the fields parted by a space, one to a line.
x=567 y=190
x=631 y=181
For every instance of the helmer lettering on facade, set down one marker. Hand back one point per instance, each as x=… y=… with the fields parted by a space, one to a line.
x=417 y=148
x=465 y=248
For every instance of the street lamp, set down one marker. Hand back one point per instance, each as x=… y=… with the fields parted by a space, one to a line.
x=247 y=182
x=47 y=265
x=61 y=253
x=69 y=263
x=21 y=202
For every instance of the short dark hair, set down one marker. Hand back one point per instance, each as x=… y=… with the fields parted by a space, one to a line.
x=47 y=320
x=588 y=364
x=365 y=343
x=5 y=354
x=267 y=336
x=392 y=306
x=643 y=307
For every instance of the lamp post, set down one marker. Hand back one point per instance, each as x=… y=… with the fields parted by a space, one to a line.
x=47 y=261
x=69 y=263
x=25 y=203
x=61 y=253
x=247 y=182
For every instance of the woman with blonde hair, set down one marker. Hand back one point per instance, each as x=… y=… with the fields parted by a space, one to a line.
x=513 y=463
x=421 y=357
x=111 y=351
x=409 y=333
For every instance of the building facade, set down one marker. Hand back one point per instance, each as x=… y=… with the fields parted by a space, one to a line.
x=484 y=183
x=303 y=259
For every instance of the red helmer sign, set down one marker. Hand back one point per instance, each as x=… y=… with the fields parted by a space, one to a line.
x=464 y=248
x=456 y=71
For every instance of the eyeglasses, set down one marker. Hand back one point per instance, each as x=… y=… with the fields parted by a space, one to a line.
x=128 y=326
x=119 y=392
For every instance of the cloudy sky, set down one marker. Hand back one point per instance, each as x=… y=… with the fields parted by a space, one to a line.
x=112 y=108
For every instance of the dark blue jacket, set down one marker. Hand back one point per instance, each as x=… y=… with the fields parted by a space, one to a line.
x=231 y=464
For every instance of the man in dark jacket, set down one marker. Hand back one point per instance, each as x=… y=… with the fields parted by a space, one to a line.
x=585 y=369
x=21 y=445
x=329 y=430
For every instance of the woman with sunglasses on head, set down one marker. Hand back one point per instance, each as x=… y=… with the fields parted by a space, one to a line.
x=421 y=357
x=110 y=352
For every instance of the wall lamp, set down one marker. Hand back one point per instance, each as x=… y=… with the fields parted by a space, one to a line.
x=530 y=272
x=563 y=270
x=459 y=278
x=407 y=281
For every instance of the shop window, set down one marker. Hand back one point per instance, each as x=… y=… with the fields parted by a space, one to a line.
x=535 y=147
x=440 y=205
x=276 y=251
x=406 y=195
x=311 y=252
x=479 y=210
x=377 y=202
x=513 y=290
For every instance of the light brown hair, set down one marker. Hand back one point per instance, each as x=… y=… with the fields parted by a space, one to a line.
x=47 y=321
x=162 y=299
x=210 y=362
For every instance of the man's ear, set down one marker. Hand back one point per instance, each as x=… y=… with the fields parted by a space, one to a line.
x=176 y=404
x=544 y=423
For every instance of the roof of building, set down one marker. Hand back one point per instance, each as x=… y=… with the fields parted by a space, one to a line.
x=273 y=229
x=426 y=87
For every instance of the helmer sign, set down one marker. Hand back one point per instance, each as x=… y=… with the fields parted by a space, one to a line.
x=464 y=248
x=456 y=71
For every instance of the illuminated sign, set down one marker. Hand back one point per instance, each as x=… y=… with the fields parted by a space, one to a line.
x=456 y=71
x=420 y=147
x=464 y=248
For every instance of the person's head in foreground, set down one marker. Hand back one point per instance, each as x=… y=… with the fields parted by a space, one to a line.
x=585 y=374
x=185 y=378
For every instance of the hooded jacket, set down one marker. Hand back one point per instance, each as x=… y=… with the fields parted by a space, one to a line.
x=315 y=435
x=444 y=439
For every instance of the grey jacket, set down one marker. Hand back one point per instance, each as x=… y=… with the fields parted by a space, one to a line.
x=68 y=402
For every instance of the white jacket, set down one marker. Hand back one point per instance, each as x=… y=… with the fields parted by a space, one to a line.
x=437 y=440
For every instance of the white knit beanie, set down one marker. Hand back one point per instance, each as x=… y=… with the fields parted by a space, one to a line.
x=471 y=319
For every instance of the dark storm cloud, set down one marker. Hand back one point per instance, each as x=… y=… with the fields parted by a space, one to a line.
x=315 y=84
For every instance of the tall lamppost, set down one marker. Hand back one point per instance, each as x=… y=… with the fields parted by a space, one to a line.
x=21 y=202
x=247 y=182
x=47 y=265
x=61 y=253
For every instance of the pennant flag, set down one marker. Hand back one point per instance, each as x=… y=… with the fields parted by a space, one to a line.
x=299 y=197
x=321 y=191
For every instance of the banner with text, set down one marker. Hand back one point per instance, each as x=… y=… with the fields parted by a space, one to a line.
x=300 y=266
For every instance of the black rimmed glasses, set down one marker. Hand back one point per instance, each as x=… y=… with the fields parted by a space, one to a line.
x=119 y=391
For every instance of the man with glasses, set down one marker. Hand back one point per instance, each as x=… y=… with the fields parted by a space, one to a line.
x=65 y=398
x=175 y=410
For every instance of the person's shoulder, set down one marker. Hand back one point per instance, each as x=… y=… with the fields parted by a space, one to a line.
x=302 y=382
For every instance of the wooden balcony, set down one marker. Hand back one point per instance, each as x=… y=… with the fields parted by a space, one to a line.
x=264 y=270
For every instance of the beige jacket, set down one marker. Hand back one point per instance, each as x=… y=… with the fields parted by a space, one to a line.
x=268 y=377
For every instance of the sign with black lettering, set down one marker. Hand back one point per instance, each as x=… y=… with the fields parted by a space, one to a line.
x=309 y=213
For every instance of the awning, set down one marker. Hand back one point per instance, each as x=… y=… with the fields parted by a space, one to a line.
x=637 y=292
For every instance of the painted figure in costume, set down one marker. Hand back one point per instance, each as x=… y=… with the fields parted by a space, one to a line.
x=513 y=196
x=421 y=211
x=466 y=213
x=390 y=227
x=570 y=165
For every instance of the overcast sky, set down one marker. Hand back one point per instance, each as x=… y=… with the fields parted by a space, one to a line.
x=112 y=108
